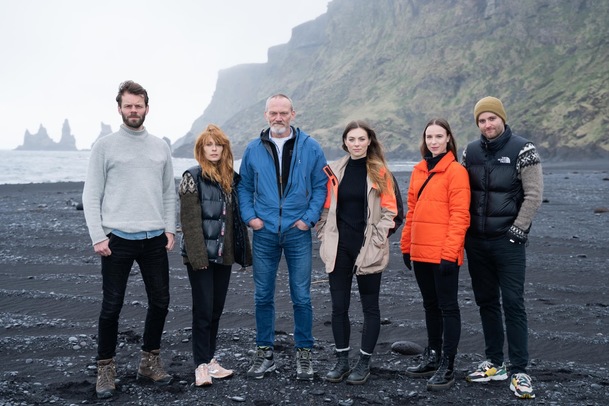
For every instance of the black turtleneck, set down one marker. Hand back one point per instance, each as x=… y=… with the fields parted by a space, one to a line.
x=352 y=202
x=432 y=161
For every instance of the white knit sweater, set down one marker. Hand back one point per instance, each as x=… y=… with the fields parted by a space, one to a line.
x=130 y=185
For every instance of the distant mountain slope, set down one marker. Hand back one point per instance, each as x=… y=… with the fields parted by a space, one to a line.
x=397 y=63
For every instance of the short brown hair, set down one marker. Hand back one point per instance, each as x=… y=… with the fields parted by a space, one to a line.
x=129 y=86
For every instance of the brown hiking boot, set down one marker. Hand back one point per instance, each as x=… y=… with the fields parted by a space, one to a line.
x=152 y=369
x=106 y=373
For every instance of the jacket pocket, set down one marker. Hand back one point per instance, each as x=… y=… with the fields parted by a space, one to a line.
x=374 y=254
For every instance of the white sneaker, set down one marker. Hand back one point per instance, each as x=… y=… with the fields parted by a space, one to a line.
x=487 y=371
x=202 y=377
x=522 y=387
x=216 y=371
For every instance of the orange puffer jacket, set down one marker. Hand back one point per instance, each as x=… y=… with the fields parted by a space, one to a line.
x=437 y=220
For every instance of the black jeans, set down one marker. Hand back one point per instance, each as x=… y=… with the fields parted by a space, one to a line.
x=151 y=256
x=442 y=314
x=209 y=287
x=497 y=268
x=340 y=289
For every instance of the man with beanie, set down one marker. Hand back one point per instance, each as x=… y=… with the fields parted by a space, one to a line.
x=506 y=190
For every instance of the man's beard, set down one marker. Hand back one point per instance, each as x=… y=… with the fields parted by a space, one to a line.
x=134 y=124
x=279 y=129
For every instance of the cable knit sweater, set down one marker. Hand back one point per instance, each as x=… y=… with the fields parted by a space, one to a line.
x=130 y=185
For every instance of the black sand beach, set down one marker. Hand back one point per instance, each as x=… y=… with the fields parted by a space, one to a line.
x=50 y=296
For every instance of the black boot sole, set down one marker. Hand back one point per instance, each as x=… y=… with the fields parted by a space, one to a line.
x=360 y=382
x=427 y=374
x=339 y=379
x=440 y=386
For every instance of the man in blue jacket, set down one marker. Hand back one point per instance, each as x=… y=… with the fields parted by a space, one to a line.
x=282 y=191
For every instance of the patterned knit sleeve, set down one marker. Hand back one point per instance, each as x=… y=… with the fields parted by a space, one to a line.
x=531 y=175
x=190 y=218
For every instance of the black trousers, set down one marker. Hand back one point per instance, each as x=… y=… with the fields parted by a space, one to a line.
x=151 y=256
x=498 y=270
x=349 y=245
x=442 y=314
x=209 y=288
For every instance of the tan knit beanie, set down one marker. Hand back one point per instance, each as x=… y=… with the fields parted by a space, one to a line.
x=492 y=105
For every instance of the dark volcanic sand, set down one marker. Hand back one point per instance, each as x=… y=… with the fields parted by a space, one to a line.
x=51 y=290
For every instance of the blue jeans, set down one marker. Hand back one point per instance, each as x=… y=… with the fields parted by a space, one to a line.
x=297 y=249
x=497 y=268
x=151 y=256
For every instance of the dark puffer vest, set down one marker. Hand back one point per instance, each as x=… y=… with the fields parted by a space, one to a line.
x=216 y=223
x=496 y=189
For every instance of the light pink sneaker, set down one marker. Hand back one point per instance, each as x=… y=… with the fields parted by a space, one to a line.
x=202 y=377
x=216 y=371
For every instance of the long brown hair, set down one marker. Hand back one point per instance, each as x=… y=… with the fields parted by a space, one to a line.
x=452 y=143
x=222 y=171
x=375 y=157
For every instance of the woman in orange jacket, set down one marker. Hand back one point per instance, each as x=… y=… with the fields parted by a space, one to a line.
x=433 y=239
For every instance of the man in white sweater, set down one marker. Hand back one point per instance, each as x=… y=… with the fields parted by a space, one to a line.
x=129 y=203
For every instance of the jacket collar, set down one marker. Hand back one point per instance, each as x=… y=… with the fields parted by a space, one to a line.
x=497 y=143
x=441 y=166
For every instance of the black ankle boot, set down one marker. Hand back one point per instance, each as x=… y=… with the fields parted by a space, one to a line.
x=341 y=368
x=359 y=375
x=444 y=378
x=427 y=367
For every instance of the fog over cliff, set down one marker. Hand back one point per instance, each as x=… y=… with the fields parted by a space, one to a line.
x=397 y=63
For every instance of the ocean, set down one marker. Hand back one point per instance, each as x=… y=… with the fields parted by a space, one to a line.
x=17 y=167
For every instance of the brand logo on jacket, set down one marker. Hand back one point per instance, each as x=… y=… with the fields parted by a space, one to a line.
x=504 y=159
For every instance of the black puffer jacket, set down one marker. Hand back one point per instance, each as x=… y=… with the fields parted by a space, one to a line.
x=221 y=228
x=496 y=188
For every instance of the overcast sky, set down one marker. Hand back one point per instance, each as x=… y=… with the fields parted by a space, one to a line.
x=64 y=59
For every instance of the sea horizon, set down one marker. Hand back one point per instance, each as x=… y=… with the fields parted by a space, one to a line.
x=23 y=167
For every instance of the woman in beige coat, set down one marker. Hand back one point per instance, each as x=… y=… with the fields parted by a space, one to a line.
x=354 y=226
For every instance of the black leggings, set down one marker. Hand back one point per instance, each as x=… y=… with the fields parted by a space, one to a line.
x=340 y=289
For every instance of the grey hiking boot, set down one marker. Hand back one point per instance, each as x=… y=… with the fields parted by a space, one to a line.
x=106 y=374
x=151 y=369
x=263 y=362
x=304 y=364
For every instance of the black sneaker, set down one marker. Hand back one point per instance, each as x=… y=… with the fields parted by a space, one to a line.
x=304 y=364
x=263 y=362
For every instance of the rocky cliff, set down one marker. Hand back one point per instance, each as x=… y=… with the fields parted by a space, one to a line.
x=41 y=141
x=397 y=63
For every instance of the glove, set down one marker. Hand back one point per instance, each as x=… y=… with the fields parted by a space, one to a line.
x=448 y=267
x=517 y=235
x=406 y=258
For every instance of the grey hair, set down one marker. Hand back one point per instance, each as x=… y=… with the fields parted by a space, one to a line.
x=278 y=96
